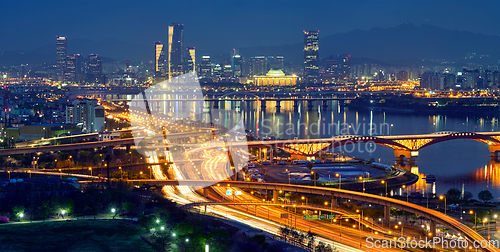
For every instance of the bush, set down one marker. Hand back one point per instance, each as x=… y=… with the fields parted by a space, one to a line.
x=4 y=219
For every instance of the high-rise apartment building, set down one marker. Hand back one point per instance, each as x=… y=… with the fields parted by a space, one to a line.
x=82 y=112
x=190 y=59
x=206 y=67
x=61 y=53
x=311 y=53
x=175 y=47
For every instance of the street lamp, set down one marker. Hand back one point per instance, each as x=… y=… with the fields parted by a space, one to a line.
x=121 y=172
x=475 y=217
x=443 y=197
x=9 y=174
x=62 y=213
x=288 y=175
x=404 y=186
x=149 y=167
x=362 y=180
x=304 y=198
x=314 y=176
x=362 y=214
x=340 y=179
x=29 y=171
x=383 y=182
x=90 y=169
x=60 y=173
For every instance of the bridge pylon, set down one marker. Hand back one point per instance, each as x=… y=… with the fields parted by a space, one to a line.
x=410 y=155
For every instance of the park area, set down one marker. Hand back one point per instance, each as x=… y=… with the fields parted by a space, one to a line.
x=75 y=235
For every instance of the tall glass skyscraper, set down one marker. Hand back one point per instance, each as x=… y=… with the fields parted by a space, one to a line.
x=175 y=49
x=206 y=67
x=61 y=53
x=159 y=59
x=311 y=54
x=191 y=59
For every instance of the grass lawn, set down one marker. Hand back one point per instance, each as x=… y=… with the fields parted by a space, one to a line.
x=89 y=235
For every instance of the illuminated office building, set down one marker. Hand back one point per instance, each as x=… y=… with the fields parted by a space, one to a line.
x=206 y=67
x=175 y=47
x=70 y=73
x=191 y=59
x=275 y=78
x=94 y=70
x=237 y=65
x=61 y=53
x=311 y=53
x=159 y=59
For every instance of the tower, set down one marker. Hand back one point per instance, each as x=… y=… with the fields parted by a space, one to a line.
x=311 y=53
x=159 y=59
x=61 y=52
x=206 y=67
x=175 y=48
x=191 y=59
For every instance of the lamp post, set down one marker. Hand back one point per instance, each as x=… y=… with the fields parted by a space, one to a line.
x=62 y=213
x=340 y=179
x=362 y=180
x=404 y=186
x=121 y=172
x=475 y=217
x=357 y=211
x=60 y=173
x=486 y=220
x=288 y=175
x=383 y=182
x=9 y=174
x=90 y=169
x=304 y=198
x=29 y=171
x=149 y=167
x=443 y=197
x=314 y=176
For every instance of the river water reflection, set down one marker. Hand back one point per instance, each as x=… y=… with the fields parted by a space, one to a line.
x=456 y=163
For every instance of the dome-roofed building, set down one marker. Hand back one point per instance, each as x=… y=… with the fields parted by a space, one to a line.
x=275 y=77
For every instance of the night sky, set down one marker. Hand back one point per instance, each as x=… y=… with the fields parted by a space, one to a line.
x=220 y=25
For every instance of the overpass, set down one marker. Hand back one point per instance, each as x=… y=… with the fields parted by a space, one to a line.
x=432 y=215
x=127 y=142
x=404 y=146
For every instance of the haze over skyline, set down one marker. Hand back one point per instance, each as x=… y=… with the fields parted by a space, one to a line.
x=220 y=26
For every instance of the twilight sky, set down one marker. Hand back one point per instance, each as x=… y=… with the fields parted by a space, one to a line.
x=221 y=24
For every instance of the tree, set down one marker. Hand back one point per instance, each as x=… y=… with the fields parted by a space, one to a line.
x=453 y=195
x=485 y=196
x=18 y=210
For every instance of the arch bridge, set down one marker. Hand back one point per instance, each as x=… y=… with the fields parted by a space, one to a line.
x=404 y=146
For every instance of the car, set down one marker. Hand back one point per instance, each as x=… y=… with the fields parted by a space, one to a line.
x=316 y=161
x=251 y=165
x=282 y=162
x=266 y=162
x=328 y=161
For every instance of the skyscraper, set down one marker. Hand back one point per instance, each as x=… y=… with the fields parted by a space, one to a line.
x=159 y=59
x=61 y=52
x=191 y=59
x=70 y=73
x=94 y=70
x=206 y=67
x=311 y=54
x=175 y=48
x=236 y=65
